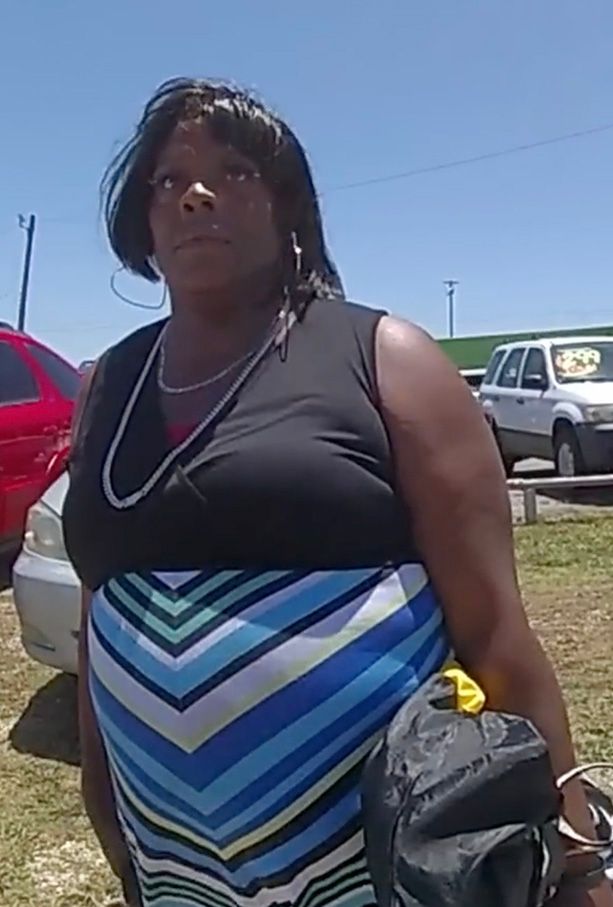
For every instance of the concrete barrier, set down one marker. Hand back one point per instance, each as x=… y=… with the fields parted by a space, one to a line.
x=530 y=487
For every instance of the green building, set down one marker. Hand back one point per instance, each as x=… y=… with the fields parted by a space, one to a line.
x=474 y=352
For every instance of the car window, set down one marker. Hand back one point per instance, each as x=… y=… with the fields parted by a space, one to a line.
x=510 y=370
x=474 y=378
x=66 y=379
x=583 y=361
x=492 y=368
x=534 y=365
x=17 y=383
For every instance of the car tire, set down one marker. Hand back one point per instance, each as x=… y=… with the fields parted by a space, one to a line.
x=508 y=462
x=567 y=453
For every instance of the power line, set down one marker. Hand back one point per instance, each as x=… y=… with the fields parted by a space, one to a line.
x=476 y=159
x=77 y=219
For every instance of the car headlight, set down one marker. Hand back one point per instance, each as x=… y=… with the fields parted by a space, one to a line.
x=599 y=414
x=43 y=535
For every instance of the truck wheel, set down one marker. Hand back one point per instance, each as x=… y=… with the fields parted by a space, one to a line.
x=567 y=453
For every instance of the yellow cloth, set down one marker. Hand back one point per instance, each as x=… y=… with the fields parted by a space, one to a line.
x=470 y=698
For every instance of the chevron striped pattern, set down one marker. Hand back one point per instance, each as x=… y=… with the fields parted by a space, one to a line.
x=237 y=708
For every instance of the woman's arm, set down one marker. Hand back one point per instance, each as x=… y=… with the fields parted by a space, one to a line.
x=96 y=788
x=95 y=779
x=449 y=473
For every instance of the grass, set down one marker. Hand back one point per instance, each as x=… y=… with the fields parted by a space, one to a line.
x=566 y=572
x=48 y=855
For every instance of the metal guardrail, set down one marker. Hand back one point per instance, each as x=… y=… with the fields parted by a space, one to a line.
x=529 y=488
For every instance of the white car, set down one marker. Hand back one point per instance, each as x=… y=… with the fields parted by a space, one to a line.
x=553 y=399
x=45 y=586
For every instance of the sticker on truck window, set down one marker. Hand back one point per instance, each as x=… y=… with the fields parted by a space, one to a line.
x=577 y=362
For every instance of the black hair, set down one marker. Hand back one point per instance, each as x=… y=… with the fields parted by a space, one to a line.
x=238 y=119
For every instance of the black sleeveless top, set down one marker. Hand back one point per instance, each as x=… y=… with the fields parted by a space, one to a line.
x=296 y=472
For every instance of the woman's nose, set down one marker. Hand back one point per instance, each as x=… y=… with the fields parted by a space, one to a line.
x=197 y=196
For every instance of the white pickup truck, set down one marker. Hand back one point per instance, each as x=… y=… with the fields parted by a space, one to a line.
x=553 y=399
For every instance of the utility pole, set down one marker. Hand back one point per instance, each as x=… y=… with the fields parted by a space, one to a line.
x=29 y=226
x=451 y=285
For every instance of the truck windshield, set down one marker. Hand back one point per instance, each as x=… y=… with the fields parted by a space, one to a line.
x=589 y=361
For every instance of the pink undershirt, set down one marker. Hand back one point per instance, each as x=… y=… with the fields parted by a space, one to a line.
x=178 y=432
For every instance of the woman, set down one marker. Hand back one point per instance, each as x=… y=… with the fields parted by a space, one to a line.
x=266 y=490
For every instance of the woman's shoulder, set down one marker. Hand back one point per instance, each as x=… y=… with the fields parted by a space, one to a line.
x=127 y=355
x=340 y=315
x=342 y=307
x=140 y=340
x=129 y=352
x=348 y=331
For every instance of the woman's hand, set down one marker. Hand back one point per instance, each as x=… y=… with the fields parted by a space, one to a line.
x=599 y=897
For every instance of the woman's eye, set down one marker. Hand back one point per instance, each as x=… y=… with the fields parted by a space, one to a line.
x=164 y=182
x=240 y=173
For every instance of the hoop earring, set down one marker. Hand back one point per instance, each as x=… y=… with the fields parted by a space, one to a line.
x=297 y=255
x=133 y=302
x=287 y=311
x=291 y=284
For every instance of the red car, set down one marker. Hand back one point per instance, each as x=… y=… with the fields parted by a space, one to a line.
x=37 y=393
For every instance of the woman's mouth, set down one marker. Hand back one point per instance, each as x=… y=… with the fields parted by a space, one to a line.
x=201 y=239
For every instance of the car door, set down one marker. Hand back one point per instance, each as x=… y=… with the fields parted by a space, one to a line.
x=488 y=396
x=535 y=407
x=62 y=384
x=505 y=392
x=24 y=440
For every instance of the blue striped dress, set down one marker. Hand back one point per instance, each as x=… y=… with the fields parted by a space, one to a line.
x=237 y=708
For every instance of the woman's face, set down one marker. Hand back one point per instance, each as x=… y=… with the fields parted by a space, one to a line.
x=211 y=215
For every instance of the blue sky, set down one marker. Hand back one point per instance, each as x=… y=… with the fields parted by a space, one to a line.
x=372 y=88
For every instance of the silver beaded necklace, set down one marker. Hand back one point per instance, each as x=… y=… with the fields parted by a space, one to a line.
x=173 y=390
x=199 y=385
x=273 y=338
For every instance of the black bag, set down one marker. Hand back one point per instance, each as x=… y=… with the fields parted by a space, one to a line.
x=460 y=810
